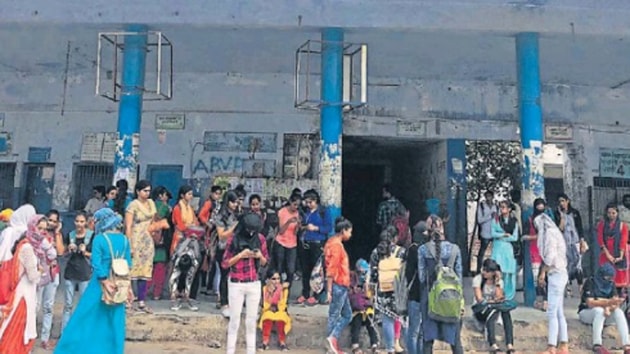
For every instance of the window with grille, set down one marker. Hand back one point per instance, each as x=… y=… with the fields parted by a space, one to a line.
x=7 y=182
x=87 y=176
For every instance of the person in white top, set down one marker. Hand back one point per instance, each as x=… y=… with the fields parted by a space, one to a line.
x=553 y=251
x=486 y=212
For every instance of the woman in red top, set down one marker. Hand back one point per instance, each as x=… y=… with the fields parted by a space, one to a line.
x=612 y=238
x=534 y=253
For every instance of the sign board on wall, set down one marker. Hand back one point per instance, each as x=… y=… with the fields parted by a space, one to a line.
x=411 y=129
x=558 y=133
x=170 y=121
x=99 y=147
x=614 y=163
x=39 y=154
x=2 y=120
x=5 y=143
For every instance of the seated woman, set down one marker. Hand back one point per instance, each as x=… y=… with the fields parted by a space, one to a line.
x=490 y=304
x=274 y=311
x=600 y=305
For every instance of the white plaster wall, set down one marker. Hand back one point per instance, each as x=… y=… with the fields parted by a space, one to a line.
x=33 y=106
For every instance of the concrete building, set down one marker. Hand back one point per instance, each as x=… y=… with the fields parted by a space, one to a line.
x=439 y=72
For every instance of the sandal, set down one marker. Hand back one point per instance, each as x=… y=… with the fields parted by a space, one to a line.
x=357 y=351
x=494 y=349
x=144 y=308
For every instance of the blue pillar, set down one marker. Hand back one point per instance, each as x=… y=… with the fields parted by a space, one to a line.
x=531 y=124
x=331 y=117
x=130 y=108
x=456 y=226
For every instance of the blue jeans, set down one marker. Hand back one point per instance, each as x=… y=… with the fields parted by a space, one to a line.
x=46 y=301
x=69 y=299
x=339 y=311
x=388 y=333
x=414 y=332
x=556 y=284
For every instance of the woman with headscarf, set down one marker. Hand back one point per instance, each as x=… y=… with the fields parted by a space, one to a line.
x=504 y=231
x=96 y=327
x=245 y=253
x=612 y=238
x=569 y=222
x=600 y=305
x=362 y=308
x=17 y=318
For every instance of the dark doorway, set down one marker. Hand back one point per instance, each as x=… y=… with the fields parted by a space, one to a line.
x=361 y=195
x=85 y=177
x=169 y=176
x=38 y=186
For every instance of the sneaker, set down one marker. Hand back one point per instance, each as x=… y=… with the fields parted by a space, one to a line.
x=264 y=346
x=331 y=344
x=192 y=306
x=300 y=300
x=599 y=349
x=226 y=312
x=311 y=301
x=284 y=348
x=176 y=306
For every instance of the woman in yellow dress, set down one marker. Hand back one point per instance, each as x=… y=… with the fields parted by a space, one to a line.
x=274 y=311
x=138 y=218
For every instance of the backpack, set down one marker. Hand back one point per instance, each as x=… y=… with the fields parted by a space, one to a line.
x=9 y=277
x=401 y=290
x=317 y=276
x=119 y=275
x=388 y=269
x=446 y=295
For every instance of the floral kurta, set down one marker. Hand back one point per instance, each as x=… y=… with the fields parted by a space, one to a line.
x=143 y=247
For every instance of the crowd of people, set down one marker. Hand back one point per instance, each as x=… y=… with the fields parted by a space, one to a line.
x=126 y=248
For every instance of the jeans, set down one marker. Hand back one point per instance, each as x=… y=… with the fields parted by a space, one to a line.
x=69 y=299
x=491 y=325
x=339 y=311
x=309 y=257
x=223 y=281
x=556 y=284
x=414 y=331
x=595 y=316
x=250 y=293
x=46 y=301
x=284 y=260
x=388 y=333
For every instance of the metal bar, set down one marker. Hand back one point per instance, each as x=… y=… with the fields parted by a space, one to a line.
x=115 y=73
x=364 y=73
x=308 y=70
x=296 y=79
x=159 y=63
x=98 y=65
x=170 y=76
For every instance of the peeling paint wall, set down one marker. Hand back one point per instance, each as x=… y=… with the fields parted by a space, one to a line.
x=533 y=173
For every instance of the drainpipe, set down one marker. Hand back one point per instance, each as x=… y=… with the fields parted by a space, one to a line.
x=130 y=108
x=331 y=118
x=531 y=125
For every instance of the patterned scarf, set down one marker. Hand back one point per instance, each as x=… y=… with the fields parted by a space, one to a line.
x=273 y=294
x=36 y=238
x=187 y=212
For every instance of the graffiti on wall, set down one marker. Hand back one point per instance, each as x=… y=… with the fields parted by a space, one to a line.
x=300 y=155
x=240 y=142
x=274 y=191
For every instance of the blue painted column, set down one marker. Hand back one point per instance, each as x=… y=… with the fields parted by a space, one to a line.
x=531 y=124
x=130 y=108
x=455 y=228
x=331 y=117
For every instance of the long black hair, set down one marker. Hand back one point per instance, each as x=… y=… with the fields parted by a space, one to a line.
x=229 y=196
x=121 y=197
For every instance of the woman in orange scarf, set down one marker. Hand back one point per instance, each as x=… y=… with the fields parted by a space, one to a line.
x=17 y=318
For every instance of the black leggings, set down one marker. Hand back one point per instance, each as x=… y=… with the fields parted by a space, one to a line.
x=491 y=324
x=283 y=260
x=310 y=254
x=355 y=329
x=223 y=284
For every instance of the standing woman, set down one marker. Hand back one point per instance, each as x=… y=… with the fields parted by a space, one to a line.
x=184 y=215
x=17 y=323
x=123 y=199
x=110 y=196
x=138 y=218
x=225 y=226
x=612 y=238
x=433 y=330
x=245 y=253
x=505 y=231
x=95 y=327
x=78 y=248
x=569 y=222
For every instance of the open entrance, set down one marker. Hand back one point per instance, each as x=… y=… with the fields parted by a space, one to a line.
x=410 y=167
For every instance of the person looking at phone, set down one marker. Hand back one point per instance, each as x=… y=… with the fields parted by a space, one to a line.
x=490 y=304
x=245 y=253
x=600 y=305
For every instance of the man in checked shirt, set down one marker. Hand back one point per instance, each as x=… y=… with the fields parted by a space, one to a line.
x=245 y=253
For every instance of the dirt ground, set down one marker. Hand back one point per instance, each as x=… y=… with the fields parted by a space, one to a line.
x=183 y=348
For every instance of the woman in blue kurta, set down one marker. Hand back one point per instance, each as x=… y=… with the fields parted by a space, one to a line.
x=505 y=231
x=97 y=328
